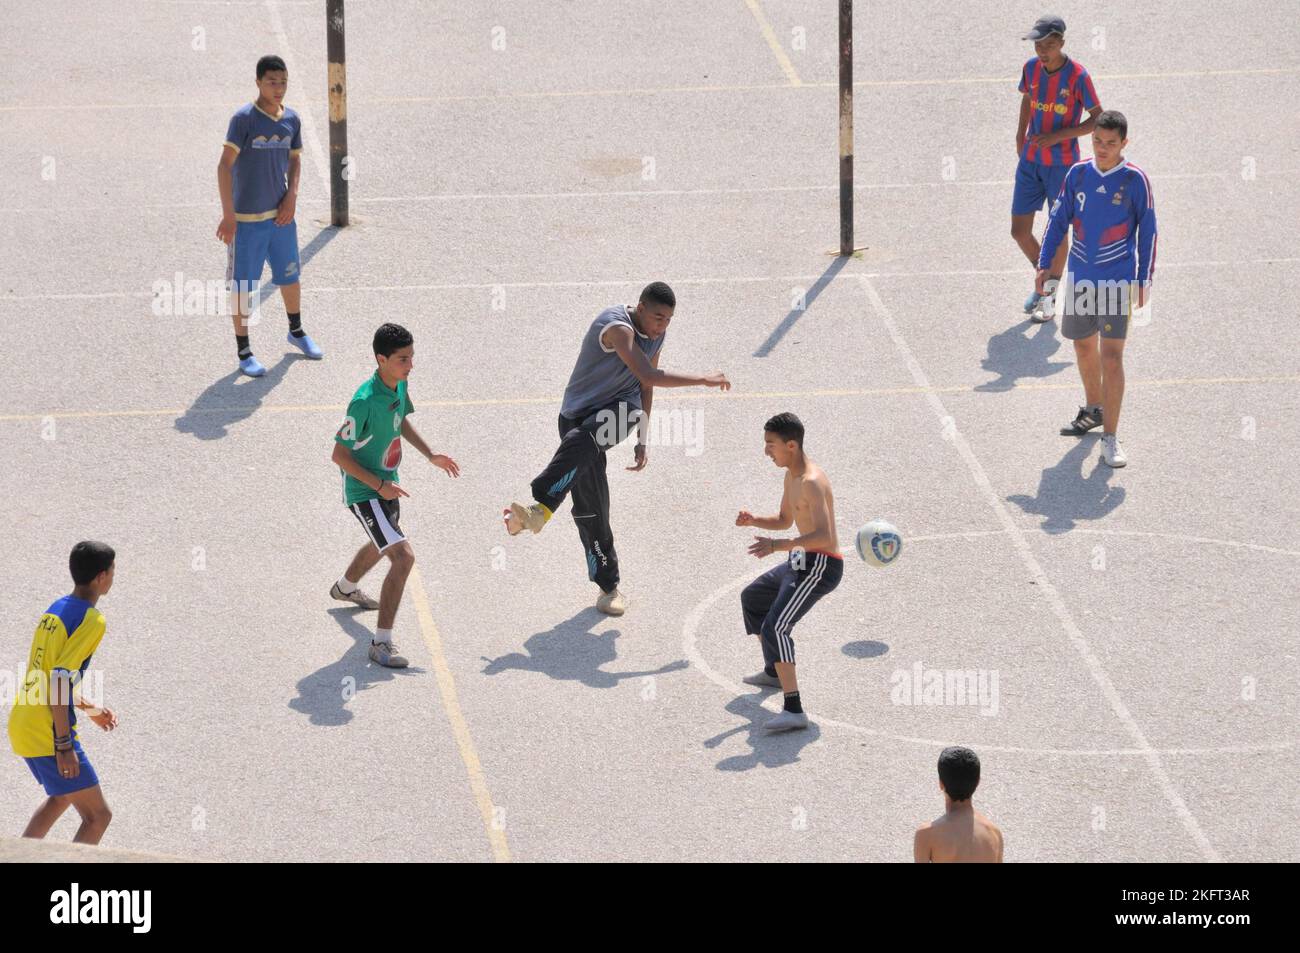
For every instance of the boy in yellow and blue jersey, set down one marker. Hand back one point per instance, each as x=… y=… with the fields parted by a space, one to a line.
x=261 y=161
x=43 y=722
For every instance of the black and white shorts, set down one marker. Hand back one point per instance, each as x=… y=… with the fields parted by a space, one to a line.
x=380 y=519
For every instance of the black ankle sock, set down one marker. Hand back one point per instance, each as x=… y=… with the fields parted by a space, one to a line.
x=295 y=325
x=769 y=670
x=792 y=703
x=245 y=349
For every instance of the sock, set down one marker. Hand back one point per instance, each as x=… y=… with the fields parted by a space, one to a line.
x=347 y=586
x=792 y=703
x=245 y=349
x=383 y=635
x=769 y=670
x=295 y=325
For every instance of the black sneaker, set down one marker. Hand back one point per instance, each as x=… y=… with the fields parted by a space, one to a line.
x=1085 y=420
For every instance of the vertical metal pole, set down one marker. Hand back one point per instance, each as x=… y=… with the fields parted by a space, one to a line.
x=846 y=127
x=338 y=91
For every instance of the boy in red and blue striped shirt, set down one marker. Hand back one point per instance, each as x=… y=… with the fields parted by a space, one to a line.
x=1055 y=90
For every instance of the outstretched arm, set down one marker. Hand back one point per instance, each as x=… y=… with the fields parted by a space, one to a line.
x=620 y=338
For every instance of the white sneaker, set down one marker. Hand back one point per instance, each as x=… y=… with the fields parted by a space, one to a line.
x=612 y=602
x=1044 y=309
x=1112 y=454
x=787 y=721
x=762 y=680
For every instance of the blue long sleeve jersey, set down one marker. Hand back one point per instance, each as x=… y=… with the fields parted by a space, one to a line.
x=1113 y=216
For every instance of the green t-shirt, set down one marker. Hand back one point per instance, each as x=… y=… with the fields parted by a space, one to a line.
x=373 y=432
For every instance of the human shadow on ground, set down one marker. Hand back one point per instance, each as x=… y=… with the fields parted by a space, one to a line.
x=1014 y=355
x=323 y=695
x=1066 y=496
x=224 y=402
x=571 y=652
x=766 y=749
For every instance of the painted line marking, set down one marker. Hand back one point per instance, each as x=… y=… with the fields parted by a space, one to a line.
x=625 y=283
x=460 y=729
x=652 y=91
x=1045 y=586
x=770 y=35
x=733 y=395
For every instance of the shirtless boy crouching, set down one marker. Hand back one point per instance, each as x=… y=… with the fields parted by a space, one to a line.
x=779 y=598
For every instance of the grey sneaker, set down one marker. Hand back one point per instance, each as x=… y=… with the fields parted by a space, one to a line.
x=762 y=679
x=356 y=597
x=1112 y=454
x=1083 y=421
x=612 y=603
x=787 y=721
x=385 y=653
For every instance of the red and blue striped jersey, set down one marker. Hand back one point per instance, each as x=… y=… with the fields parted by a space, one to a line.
x=1057 y=100
x=1113 y=215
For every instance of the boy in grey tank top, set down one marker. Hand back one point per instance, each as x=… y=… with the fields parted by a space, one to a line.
x=608 y=396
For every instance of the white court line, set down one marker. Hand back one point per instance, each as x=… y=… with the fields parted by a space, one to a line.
x=691 y=649
x=610 y=193
x=667 y=396
x=1045 y=587
x=308 y=124
x=653 y=91
x=631 y=283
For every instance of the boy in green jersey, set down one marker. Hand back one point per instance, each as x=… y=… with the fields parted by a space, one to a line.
x=368 y=449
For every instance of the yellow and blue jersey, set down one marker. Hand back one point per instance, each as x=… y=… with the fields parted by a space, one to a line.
x=65 y=639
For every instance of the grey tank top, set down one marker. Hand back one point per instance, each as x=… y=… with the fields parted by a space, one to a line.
x=599 y=376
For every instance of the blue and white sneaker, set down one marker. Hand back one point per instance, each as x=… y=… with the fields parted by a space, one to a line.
x=1044 y=310
x=307 y=346
x=1031 y=301
x=252 y=367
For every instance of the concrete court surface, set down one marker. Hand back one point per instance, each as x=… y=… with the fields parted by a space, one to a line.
x=518 y=167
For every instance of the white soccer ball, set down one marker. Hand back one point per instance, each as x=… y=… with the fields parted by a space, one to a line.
x=879 y=543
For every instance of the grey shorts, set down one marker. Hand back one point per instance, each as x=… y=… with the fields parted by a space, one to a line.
x=1104 y=307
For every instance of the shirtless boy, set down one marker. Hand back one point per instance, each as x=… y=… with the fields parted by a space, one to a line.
x=779 y=598
x=962 y=835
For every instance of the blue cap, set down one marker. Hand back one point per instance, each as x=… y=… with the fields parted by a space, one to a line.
x=1045 y=27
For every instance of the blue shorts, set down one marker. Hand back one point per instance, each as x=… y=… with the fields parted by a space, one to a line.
x=46 y=771
x=1036 y=184
x=258 y=242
